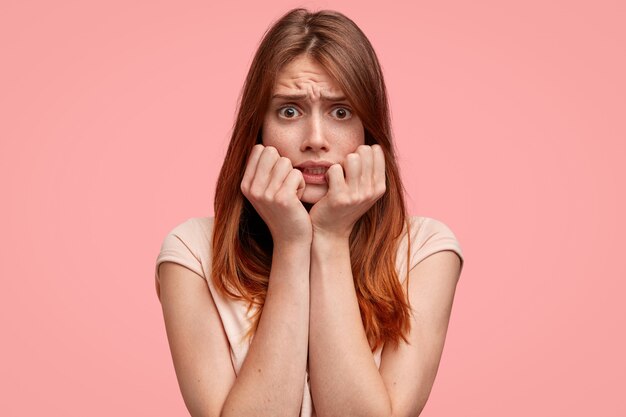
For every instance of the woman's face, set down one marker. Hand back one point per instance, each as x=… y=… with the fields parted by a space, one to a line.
x=315 y=127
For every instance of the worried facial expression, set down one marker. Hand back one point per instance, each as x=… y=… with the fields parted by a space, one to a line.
x=310 y=122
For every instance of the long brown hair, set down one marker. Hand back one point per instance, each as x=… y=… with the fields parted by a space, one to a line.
x=242 y=244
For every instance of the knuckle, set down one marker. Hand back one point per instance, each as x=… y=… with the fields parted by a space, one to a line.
x=255 y=193
x=283 y=165
x=268 y=195
x=293 y=177
x=256 y=151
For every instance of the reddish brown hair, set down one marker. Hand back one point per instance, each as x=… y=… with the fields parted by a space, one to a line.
x=242 y=243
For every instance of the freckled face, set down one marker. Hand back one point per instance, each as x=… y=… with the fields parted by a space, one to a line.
x=318 y=127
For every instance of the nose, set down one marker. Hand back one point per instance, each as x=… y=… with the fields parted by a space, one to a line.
x=315 y=136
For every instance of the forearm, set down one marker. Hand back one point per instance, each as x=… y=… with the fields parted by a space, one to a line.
x=271 y=379
x=344 y=378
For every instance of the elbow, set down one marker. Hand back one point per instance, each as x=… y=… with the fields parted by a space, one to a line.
x=202 y=413
x=414 y=412
x=406 y=409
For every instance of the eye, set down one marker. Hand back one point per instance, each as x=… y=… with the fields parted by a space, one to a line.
x=290 y=112
x=342 y=113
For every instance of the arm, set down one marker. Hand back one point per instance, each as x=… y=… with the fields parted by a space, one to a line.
x=409 y=370
x=271 y=379
x=197 y=341
x=344 y=378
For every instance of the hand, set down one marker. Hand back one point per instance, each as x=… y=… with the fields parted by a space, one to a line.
x=274 y=188
x=349 y=198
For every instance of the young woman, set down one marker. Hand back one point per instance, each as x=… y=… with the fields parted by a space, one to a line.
x=311 y=291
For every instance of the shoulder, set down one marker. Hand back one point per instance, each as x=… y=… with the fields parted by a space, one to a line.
x=194 y=228
x=426 y=235
x=195 y=233
x=425 y=229
x=188 y=243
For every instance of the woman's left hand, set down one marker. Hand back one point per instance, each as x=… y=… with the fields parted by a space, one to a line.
x=349 y=198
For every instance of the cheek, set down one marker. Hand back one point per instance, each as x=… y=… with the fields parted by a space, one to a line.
x=271 y=137
x=353 y=138
x=267 y=130
x=283 y=138
x=360 y=134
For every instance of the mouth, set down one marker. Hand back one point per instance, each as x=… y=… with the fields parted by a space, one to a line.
x=314 y=174
x=314 y=170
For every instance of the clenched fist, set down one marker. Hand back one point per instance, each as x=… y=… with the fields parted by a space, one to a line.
x=274 y=188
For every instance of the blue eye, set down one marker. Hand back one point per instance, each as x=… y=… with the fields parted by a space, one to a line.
x=290 y=114
x=343 y=113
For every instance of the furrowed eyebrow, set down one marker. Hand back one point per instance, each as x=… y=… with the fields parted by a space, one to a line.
x=299 y=97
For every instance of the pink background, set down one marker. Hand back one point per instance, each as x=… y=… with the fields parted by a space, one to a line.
x=509 y=119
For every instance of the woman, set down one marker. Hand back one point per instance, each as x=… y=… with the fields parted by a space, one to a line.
x=318 y=294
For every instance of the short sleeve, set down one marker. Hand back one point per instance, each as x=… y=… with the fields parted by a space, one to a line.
x=182 y=245
x=427 y=236
x=430 y=236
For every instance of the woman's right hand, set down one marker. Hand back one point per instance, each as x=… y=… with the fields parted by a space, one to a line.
x=274 y=189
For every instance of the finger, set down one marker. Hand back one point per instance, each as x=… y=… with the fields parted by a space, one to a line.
x=268 y=158
x=379 y=168
x=253 y=159
x=367 y=165
x=334 y=177
x=294 y=182
x=353 y=170
x=301 y=184
x=279 y=172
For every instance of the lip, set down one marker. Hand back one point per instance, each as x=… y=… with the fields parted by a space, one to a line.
x=313 y=164
x=310 y=178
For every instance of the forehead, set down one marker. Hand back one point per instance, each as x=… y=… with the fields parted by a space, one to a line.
x=304 y=73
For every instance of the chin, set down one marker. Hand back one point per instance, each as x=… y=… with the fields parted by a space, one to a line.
x=313 y=193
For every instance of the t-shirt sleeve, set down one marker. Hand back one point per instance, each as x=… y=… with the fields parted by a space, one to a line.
x=181 y=246
x=430 y=237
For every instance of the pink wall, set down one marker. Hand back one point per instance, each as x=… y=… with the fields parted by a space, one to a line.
x=510 y=124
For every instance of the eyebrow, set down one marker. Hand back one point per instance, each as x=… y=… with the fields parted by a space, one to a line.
x=298 y=97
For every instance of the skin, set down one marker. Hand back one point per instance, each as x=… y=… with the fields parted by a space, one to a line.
x=312 y=129
x=295 y=132
x=311 y=315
